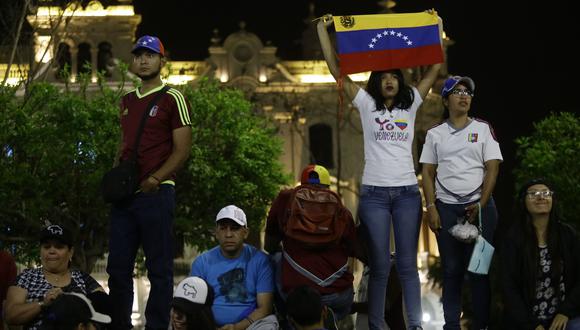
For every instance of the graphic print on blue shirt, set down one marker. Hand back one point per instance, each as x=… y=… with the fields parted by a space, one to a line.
x=232 y=285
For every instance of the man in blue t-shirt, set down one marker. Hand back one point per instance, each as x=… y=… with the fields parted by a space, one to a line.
x=240 y=274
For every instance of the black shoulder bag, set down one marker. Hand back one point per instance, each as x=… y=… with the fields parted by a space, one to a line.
x=120 y=183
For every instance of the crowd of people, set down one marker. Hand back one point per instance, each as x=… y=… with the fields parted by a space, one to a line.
x=304 y=278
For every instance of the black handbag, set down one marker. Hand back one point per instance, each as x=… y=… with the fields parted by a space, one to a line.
x=121 y=182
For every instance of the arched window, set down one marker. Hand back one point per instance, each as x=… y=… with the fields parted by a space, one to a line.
x=321 y=145
x=84 y=58
x=63 y=58
x=105 y=58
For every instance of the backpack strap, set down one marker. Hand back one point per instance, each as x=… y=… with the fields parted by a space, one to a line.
x=459 y=198
x=151 y=104
x=304 y=272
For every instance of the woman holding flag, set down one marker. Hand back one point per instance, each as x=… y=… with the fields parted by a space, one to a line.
x=388 y=107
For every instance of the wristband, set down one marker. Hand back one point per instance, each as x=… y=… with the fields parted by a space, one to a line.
x=430 y=205
x=154 y=177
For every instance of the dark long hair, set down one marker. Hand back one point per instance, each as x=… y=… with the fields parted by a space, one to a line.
x=200 y=318
x=530 y=241
x=404 y=98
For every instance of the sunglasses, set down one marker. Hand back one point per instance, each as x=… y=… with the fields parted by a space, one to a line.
x=536 y=194
x=462 y=92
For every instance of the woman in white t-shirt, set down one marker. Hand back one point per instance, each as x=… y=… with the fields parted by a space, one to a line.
x=460 y=160
x=389 y=190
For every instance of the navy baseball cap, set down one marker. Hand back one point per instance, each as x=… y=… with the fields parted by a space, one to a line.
x=451 y=82
x=151 y=43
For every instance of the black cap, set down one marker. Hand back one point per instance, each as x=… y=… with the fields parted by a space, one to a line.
x=56 y=233
x=71 y=309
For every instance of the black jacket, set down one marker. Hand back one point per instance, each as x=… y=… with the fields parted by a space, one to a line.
x=518 y=304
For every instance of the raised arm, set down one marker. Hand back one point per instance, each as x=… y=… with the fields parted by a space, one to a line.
x=431 y=75
x=349 y=86
x=428 y=80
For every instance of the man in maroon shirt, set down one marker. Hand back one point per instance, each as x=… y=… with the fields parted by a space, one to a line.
x=7 y=277
x=323 y=263
x=147 y=219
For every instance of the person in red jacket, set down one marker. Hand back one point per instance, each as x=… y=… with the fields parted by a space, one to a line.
x=324 y=269
x=7 y=278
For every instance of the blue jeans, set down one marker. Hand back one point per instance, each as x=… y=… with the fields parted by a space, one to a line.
x=147 y=221
x=340 y=302
x=573 y=324
x=379 y=206
x=454 y=260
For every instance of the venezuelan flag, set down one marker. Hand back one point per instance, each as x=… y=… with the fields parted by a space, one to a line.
x=387 y=41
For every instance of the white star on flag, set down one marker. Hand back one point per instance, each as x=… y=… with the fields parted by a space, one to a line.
x=375 y=39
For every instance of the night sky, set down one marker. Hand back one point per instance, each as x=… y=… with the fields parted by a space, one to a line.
x=520 y=56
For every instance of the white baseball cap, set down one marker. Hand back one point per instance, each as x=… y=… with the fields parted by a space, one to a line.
x=234 y=213
x=192 y=293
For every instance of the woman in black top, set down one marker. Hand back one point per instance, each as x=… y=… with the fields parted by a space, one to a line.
x=541 y=265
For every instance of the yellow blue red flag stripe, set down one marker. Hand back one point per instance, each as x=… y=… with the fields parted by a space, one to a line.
x=387 y=41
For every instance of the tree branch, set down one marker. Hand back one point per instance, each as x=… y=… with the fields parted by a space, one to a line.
x=16 y=39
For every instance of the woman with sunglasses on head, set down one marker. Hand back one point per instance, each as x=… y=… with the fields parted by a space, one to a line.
x=540 y=260
x=389 y=192
x=460 y=160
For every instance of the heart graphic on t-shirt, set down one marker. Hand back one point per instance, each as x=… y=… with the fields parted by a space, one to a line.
x=401 y=123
